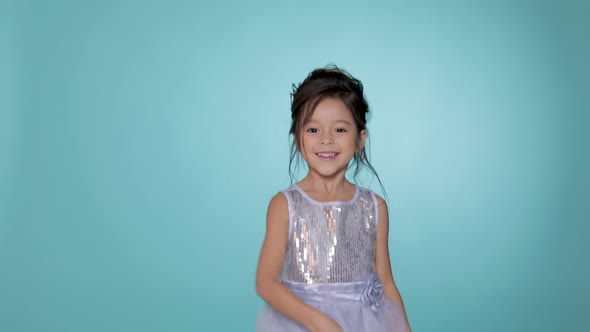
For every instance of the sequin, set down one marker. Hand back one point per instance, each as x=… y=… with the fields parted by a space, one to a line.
x=330 y=242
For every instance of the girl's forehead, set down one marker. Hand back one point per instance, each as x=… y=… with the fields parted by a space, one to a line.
x=331 y=109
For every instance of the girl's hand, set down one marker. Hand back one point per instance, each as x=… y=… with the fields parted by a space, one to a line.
x=326 y=324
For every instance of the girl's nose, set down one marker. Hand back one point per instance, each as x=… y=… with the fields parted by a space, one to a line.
x=327 y=140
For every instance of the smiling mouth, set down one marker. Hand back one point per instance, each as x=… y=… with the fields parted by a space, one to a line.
x=327 y=155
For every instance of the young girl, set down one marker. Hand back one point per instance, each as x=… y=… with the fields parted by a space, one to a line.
x=324 y=264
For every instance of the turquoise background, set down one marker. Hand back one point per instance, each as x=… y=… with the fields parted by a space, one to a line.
x=141 y=142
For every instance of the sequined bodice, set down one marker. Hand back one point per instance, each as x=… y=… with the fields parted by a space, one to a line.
x=330 y=242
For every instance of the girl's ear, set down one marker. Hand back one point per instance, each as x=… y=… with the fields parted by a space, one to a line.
x=362 y=139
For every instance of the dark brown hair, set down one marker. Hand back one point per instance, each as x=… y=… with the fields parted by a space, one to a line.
x=322 y=83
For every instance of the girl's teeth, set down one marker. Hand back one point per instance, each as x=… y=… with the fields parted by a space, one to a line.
x=326 y=155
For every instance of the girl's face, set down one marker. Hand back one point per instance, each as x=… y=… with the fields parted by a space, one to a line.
x=330 y=139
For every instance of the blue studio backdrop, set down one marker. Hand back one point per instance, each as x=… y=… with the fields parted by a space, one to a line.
x=141 y=141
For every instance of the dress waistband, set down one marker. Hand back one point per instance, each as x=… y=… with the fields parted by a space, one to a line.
x=369 y=292
x=327 y=292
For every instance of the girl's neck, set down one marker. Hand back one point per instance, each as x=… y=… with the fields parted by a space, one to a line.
x=327 y=189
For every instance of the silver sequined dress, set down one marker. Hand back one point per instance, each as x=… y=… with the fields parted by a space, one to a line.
x=329 y=263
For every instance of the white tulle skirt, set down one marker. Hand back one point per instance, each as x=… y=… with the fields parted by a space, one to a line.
x=355 y=306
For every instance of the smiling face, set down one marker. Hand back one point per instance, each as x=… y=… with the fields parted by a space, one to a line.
x=330 y=139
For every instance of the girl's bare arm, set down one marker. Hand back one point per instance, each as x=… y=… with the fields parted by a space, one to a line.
x=382 y=261
x=270 y=262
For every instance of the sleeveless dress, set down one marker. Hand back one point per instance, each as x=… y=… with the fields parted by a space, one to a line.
x=329 y=264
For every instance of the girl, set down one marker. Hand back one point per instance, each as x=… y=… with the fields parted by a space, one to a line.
x=324 y=264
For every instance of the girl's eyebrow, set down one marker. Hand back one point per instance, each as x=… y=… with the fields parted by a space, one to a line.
x=337 y=121
x=345 y=121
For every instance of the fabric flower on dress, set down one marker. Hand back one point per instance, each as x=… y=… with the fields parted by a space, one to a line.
x=372 y=293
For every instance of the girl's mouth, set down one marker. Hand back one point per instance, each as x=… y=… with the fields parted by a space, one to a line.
x=327 y=155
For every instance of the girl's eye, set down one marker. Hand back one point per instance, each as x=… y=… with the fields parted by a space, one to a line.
x=341 y=130
x=312 y=130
